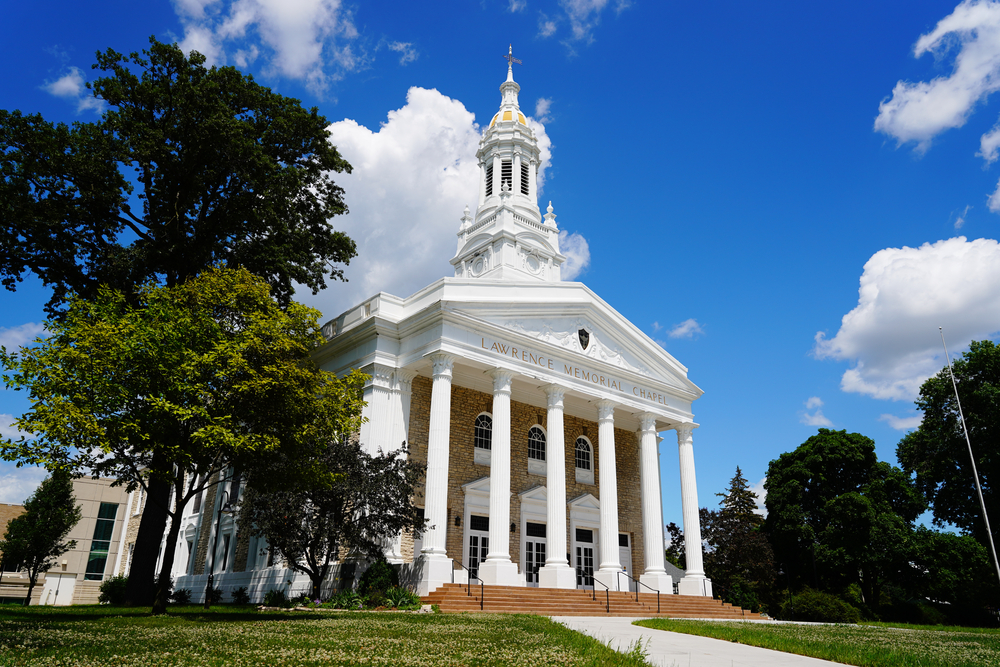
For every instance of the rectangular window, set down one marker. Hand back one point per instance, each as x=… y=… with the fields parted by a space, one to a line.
x=101 y=544
x=196 y=503
x=506 y=174
x=524 y=181
x=234 y=484
x=535 y=529
x=479 y=523
x=622 y=540
x=489 y=179
x=583 y=535
x=225 y=552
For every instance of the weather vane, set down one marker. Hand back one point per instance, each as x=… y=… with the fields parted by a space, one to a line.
x=510 y=57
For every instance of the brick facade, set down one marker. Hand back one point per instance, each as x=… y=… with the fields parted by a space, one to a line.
x=466 y=405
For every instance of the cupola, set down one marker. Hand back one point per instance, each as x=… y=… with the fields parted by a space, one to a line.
x=508 y=238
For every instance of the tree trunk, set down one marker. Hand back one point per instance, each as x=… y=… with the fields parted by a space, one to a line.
x=32 y=580
x=163 y=581
x=141 y=588
x=317 y=582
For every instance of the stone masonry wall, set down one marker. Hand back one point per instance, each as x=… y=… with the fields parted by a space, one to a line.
x=466 y=405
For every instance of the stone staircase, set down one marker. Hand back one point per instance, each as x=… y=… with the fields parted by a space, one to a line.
x=456 y=598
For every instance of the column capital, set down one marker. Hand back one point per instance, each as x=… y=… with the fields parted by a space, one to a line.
x=379 y=375
x=605 y=409
x=443 y=364
x=647 y=421
x=502 y=379
x=403 y=379
x=684 y=431
x=555 y=393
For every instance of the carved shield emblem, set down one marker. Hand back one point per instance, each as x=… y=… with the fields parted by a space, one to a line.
x=584 y=338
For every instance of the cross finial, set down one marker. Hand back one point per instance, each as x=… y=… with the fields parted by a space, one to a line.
x=510 y=58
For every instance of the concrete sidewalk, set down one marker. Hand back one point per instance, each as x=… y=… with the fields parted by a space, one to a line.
x=673 y=649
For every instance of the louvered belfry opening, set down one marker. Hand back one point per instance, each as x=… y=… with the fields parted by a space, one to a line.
x=524 y=179
x=507 y=174
x=489 y=180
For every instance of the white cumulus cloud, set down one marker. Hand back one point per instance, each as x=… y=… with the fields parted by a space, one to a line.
x=72 y=87
x=920 y=111
x=11 y=432
x=15 y=337
x=761 y=493
x=816 y=417
x=542 y=109
x=16 y=484
x=577 y=252
x=905 y=295
x=412 y=178
x=902 y=423
x=689 y=328
x=309 y=40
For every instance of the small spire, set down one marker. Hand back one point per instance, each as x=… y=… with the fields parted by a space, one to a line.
x=550 y=217
x=510 y=62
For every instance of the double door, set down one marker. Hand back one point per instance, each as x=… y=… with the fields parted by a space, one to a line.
x=584 y=557
x=534 y=551
x=479 y=542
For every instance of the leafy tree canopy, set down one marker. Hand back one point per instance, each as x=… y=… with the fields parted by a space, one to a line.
x=368 y=503
x=35 y=538
x=190 y=166
x=837 y=515
x=195 y=378
x=937 y=452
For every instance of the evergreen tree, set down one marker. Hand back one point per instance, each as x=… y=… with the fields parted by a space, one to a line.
x=35 y=538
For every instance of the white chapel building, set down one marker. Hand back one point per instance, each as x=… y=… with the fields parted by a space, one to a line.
x=535 y=405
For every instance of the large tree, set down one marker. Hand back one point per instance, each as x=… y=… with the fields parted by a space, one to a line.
x=189 y=166
x=937 y=452
x=362 y=502
x=837 y=515
x=190 y=381
x=738 y=558
x=35 y=538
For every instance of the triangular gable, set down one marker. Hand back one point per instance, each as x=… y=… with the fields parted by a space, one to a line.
x=538 y=492
x=585 y=501
x=481 y=485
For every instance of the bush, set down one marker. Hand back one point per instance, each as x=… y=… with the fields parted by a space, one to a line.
x=376 y=599
x=181 y=596
x=217 y=596
x=275 y=598
x=811 y=605
x=113 y=590
x=402 y=598
x=240 y=596
x=378 y=578
x=345 y=600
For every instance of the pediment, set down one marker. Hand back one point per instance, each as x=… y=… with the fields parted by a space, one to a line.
x=585 y=501
x=539 y=493
x=481 y=485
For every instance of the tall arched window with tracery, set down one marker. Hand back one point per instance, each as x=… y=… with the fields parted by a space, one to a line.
x=584 y=461
x=482 y=438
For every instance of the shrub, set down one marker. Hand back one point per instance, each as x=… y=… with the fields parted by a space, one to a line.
x=217 y=596
x=811 y=605
x=240 y=596
x=345 y=600
x=378 y=578
x=113 y=590
x=376 y=599
x=181 y=596
x=275 y=598
x=402 y=598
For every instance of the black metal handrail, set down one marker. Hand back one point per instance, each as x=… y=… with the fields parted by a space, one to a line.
x=607 y=594
x=639 y=583
x=468 y=582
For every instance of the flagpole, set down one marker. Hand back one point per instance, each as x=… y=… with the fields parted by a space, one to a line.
x=975 y=473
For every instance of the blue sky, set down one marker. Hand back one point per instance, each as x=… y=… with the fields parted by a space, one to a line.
x=729 y=174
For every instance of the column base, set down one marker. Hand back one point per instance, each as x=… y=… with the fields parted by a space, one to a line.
x=659 y=581
x=435 y=571
x=500 y=573
x=698 y=585
x=613 y=579
x=555 y=576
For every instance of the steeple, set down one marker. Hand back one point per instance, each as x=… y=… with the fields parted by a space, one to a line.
x=508 y=239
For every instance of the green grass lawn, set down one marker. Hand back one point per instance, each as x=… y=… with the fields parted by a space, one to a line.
x=875 y=645
x=101 y=635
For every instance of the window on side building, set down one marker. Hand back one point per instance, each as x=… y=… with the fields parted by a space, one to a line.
x=584 y=461
x=101 y=544
x=482 y=439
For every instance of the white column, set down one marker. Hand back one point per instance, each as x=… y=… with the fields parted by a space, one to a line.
x=608 y=481
x=556 y=573
x=376 y=433
x=399 y=410
x=655 y=576
x=498 y=568
x=694 y=581
x=437 y=567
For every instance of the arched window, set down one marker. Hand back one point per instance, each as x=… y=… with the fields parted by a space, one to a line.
x=536 y=443
x=584 y=461
x=483 y=438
